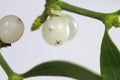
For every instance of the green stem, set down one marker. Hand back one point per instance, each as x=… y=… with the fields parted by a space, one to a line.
x=5 y=66
x=81 y=11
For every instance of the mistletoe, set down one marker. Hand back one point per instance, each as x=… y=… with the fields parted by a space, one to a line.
x=60 y=28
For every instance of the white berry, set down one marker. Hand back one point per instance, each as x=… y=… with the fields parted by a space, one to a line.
x=55 y=31
x=11 y=28
x=72 y=25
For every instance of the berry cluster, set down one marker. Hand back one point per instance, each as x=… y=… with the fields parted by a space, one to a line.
x=58 y=29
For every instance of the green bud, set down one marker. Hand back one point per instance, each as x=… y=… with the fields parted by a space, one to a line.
x=36 y=24
x=15 y=77
x=116 y=21
x=54 y=10
x=112 y=20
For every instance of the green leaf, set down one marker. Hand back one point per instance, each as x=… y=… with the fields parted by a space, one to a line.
x=59 y=68
x=109 y=59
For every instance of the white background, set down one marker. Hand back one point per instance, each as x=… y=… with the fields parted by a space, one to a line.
x=31 y=49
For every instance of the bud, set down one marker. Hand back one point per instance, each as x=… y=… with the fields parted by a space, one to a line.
x=54 y=10
x=36 y=24
x=116 y=21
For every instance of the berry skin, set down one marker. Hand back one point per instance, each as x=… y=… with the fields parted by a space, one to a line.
x=55 y=31
x=11 y=28
x=72 y=25
x=58 y=29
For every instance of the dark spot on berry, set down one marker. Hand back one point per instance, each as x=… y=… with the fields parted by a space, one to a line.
x=58 y=42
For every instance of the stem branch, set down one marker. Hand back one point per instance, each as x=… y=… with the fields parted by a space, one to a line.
x=5 y=66
x=81 y=11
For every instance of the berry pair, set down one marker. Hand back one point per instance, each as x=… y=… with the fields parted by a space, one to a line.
x=58 y=29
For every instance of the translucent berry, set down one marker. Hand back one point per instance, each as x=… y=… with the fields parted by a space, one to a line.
x=55 y=31
x=11 y=28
